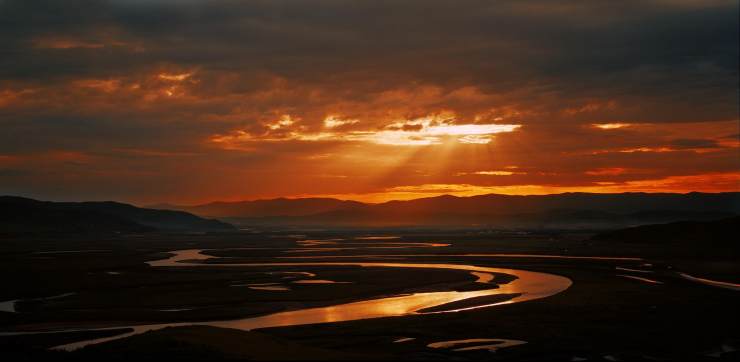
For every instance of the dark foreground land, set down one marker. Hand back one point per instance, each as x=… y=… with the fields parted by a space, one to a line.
x=86 y=282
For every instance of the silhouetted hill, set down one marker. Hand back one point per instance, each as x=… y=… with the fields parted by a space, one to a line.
x=707 y=246
x=267 y=208
x=701 y=233
x=569 y=210
x=23 y=215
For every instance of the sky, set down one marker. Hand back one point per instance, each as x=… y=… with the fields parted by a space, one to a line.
x=194 y=101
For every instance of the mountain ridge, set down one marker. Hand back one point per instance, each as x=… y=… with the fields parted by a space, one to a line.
x=554 y=210
x=26 y=215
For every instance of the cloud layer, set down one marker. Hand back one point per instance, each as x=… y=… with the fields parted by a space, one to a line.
x=189 y=101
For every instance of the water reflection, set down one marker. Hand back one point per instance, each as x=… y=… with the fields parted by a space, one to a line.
x=530 y=285
x=493 y=344
x=527 y=286
x=714 y=283
x=306 y=274
x=484 y=278
x=318 y=281
x=8 y=306
x=632 y=270
x=263 y=286
x=646 y=280
x=273 y=288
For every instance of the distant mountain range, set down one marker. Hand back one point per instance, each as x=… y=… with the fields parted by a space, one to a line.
x=20 y=215
x=568 y=210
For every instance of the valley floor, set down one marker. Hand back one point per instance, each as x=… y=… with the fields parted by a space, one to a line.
x=625 y=302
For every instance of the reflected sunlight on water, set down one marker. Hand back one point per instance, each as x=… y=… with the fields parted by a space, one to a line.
x=484 y=278
x=527 y=286
x=498 y=343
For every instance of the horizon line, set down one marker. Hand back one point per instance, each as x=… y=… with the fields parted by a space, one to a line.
x=309 y=197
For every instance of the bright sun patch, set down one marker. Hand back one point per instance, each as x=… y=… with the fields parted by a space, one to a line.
x=425 y=131
x=609 y=126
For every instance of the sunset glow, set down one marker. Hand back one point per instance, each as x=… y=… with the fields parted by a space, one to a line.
x=356 y=180
x=611 y=125
x=366 y=107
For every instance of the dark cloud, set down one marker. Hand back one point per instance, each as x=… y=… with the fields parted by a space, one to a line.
x=644 y=49
x=146 y=83
x=691 y=143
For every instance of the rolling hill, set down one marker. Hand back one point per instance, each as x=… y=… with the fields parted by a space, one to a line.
x=703 y=233
x=23 y=215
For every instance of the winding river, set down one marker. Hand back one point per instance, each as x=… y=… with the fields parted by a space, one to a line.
x=527 y=286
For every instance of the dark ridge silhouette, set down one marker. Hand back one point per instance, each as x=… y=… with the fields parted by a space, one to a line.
x=267 y=208
x=722 y=233
x=23 y=215
x=568 y=210
x=699 y=244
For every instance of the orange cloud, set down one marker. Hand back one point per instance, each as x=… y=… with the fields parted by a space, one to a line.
x=492 y=173
x=702 y=183
x=610 y=171
x=123 y=99
x=425 y=131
